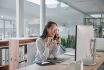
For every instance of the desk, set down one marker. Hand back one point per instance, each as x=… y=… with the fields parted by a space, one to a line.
x=99 y=60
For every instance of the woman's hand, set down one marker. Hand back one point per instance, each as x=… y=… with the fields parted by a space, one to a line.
x=48 y=41
x=58 y=39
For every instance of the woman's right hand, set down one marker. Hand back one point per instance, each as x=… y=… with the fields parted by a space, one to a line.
x=48 y=41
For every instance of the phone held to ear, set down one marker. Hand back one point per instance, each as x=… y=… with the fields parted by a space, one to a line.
x=57 y=38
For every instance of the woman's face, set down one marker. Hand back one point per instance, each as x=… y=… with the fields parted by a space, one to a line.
x=52 y=30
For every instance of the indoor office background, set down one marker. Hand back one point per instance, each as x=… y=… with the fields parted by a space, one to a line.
x=64 y=15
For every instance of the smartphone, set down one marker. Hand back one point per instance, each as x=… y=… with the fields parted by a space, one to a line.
x=56 y=36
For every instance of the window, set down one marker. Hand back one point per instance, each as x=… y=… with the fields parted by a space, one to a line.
x=1 y=29
x=7 y=29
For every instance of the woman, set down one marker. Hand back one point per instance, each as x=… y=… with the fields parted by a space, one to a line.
x=48 y=43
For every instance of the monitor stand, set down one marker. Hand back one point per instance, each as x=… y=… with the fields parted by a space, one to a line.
x=89 y=62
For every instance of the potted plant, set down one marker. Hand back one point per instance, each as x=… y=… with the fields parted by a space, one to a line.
x=68 y=42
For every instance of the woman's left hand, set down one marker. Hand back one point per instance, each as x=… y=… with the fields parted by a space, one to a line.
x=58 y=40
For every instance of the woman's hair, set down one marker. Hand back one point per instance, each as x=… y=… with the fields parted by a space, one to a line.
x=45 y=32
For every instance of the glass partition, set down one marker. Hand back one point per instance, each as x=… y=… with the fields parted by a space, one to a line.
x=98 y=22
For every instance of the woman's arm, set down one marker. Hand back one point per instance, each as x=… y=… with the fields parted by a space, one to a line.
x=42 y=49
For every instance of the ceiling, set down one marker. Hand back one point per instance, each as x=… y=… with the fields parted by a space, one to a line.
x=68 y=14
x=86 y=6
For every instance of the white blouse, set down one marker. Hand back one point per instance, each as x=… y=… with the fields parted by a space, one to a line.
x=43 y=52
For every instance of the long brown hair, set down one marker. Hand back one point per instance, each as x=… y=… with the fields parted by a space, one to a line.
x=45 y=32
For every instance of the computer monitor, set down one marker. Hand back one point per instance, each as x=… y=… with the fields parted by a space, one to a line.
x=84 y=41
